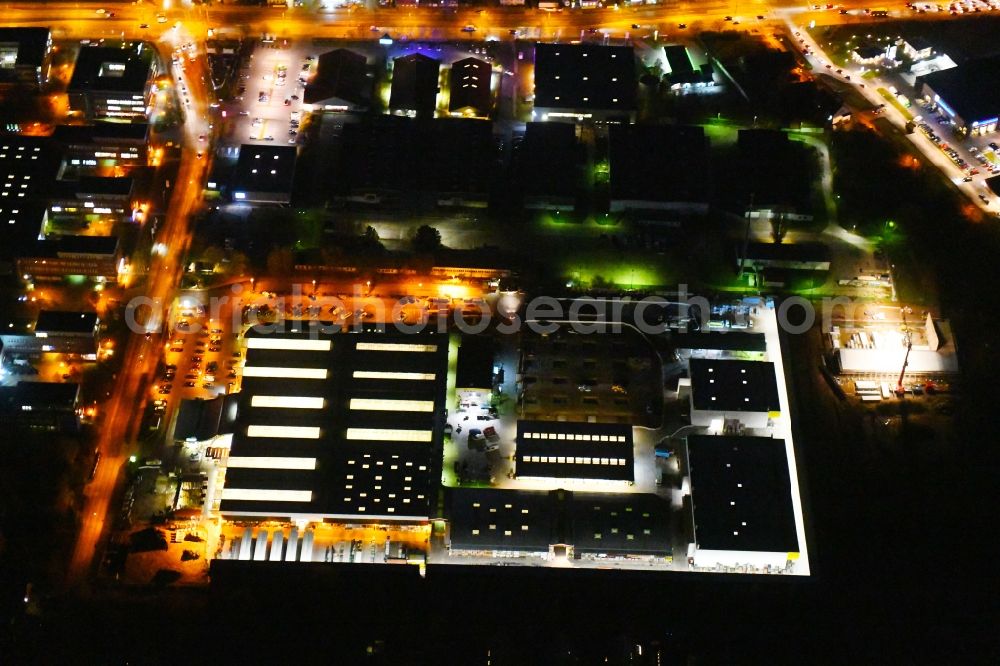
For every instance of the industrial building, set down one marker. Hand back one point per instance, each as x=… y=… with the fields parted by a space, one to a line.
x=926 y=347
x=264 y=174
x=414 y=86
x=97 y=257
x=89 y=198
x=568 y=450
x=442 y=160
x=114 y=83
x=56 y=331
x=786 y=256
x=50 y=406
x=659 y=167
x=28 y=168
x=967 y=94
x=550 y=161
x=681 y=72
x=585 y=82
x=740 y=503
x=104 y=144
x=21 y=225
x=558 y=524
x=24 y=56
x=341 y=83
x=201 y=420
x=470 y=91
x=728 y=390
x=775 y=180
x=474 y=372
x=337 y=426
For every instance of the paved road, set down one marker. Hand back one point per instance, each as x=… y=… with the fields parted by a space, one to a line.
x=141 y=356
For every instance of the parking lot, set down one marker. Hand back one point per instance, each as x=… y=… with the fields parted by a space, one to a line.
x=268 y=105
x=202 y=354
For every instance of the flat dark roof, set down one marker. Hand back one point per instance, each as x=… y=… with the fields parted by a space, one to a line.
x=405 y=154
x=733 y=386
x=773 y=170
x=373 y=457
x=575 y=450
x=741 y=492
x=489 y=519
x=28 y=161
x=58 y=321
x=970 y=89
x=32 y=45
x=100 y=133
x=203 y=419
x=475 y=362
x=20 y=224
x=720 y=341
x=341 y=74
x=550 y=159
x=993 y=183
x=269 y=169
x=62 y=245
x=112 y=69
x=678 y=60
x=585 y=76
x=918 y=43
x=43 y=396
x=88 y=187
x=531 y=521
x=636 y=523
x=868 y=52
x=414 y=83
x=659 y=163
x=469 y=85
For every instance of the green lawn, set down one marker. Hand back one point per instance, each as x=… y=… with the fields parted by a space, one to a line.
x=889 y=97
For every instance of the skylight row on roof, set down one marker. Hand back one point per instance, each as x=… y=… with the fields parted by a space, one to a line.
x=574 y=437
x=283 y=432
x=293 y=344
x=410 y=376
x=524 y=528
x=273 y=372
x=574 y=460
x=266 y=495
x=382 y=405
x=395 y=347
x=271 y=462
x=287 y=402
x=388 y=434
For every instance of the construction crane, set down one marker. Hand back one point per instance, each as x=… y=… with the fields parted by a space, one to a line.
x=900 y=391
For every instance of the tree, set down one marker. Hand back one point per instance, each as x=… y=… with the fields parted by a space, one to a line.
x=426 y=239
x=370 y=241
x=280 y=261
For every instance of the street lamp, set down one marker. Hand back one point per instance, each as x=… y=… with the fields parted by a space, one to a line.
x=252 y=289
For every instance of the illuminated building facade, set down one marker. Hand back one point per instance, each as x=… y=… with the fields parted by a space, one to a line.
x=24 y=56
x=585 y=83
x=112 y=83
x=967 y=94
x=335 y=427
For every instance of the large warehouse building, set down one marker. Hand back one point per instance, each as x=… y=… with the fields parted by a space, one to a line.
x=558 y=524
x=741 y=501
x=730 y=390
x=568 y=450
x=585 y=82
x=337 y=426
x=968 y=94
